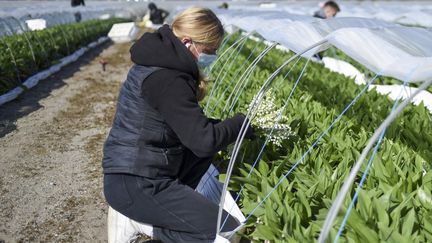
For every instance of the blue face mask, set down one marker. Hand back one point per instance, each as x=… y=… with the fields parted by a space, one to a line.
x=205 y=60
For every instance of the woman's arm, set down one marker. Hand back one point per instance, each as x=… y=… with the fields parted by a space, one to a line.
x=175 y=99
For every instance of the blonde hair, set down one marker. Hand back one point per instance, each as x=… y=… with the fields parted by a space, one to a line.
x=203 y=27
x=200 y=24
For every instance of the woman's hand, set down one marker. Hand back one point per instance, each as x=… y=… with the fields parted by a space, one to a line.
x=250 y=134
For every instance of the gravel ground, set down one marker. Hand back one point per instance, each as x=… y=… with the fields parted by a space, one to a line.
x=51 y=147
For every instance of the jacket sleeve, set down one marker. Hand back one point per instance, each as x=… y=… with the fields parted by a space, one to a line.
x=174 y=99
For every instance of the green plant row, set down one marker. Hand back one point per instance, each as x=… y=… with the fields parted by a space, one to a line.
x=23 y=55
x=394 y=204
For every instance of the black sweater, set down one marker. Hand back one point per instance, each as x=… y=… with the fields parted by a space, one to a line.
x=172 y=92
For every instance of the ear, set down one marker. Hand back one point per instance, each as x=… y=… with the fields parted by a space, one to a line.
x=187 y=41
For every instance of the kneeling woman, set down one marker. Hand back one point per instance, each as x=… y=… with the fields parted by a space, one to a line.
x=161 y=143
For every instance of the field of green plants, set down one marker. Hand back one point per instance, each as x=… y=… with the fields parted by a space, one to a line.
x=23 y=55
x=395 y=202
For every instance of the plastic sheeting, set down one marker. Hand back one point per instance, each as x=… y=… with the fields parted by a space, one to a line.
x=344 y=68
x=404 y=53
x=381 y=56
x=393 y=92
x=122 y=229
x=292 y=31
x=11 y=25
x=405 y=12
x=295 y=32
x=211 y=188
x=93 y=9
x=13 y=18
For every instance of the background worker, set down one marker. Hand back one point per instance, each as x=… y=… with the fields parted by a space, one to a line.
x=328 y=10
x=157 y=15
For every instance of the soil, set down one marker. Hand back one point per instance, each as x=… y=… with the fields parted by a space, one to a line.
x=51 y=142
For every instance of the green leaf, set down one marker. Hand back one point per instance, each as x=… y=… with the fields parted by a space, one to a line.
x=264 y=232
x=408 y=223
x=305 y=203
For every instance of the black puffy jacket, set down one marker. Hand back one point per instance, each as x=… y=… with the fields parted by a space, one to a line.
x=158 y=116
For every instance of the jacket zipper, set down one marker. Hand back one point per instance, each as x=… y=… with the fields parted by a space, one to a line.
x=164 y=151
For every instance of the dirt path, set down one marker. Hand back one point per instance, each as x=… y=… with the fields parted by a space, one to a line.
x=50 y=152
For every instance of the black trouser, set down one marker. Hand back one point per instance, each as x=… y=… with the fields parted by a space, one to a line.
x=177 y=212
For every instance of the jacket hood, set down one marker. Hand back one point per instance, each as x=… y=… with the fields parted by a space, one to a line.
x=163 y=49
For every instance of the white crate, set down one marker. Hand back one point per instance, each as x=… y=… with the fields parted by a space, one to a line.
x=123 y=32
x=105 y=16
x=36 y=24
